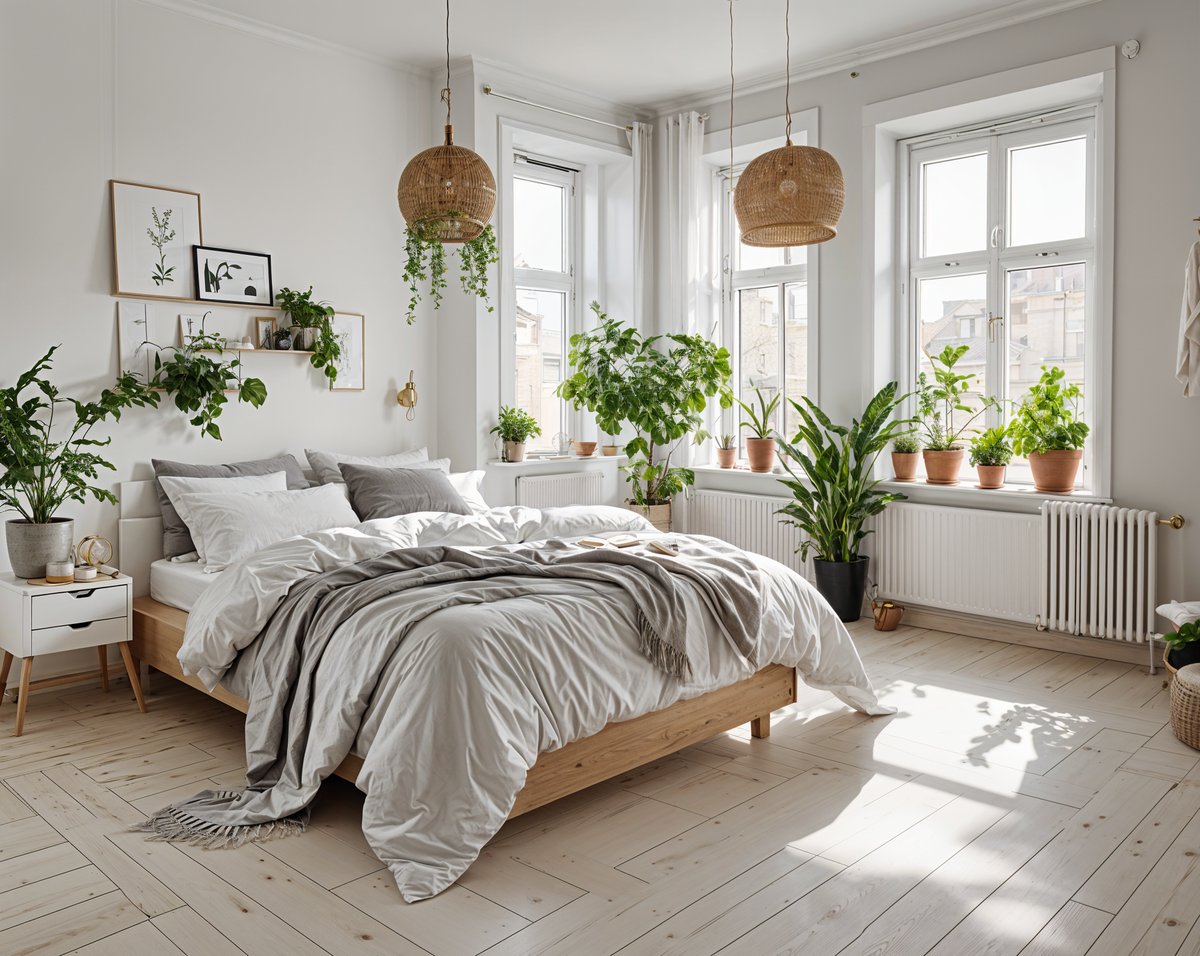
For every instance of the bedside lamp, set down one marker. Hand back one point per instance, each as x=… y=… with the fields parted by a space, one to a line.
x=407 y=397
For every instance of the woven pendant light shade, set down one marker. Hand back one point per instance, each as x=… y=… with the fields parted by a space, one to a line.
x=448 y=190
x=791 y=196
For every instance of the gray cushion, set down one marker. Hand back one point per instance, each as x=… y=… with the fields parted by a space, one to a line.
x=176 y=539
x=387 y=492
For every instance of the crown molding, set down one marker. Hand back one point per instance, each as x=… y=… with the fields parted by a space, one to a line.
x=198 y=10
x=1011 y=14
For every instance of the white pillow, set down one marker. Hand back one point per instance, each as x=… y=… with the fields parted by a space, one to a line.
x=228 y=527
x=467 y=483
x=325 y=463
x=174 y=486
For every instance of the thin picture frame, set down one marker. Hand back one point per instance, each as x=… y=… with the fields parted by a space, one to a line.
x=352 y=365
x=207 y=281
x=264 y=331
x=135 y=273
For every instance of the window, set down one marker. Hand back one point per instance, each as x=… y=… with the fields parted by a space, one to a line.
x=1001 y=257
x=766 y=298
x=544 y=222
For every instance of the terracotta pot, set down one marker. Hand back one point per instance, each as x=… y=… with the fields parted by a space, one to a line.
x=514 y=451
x=657 y=515
x=991 y=476
x=942 y=467
x=609 y=451
x=1054 y=471
x=584 y=449
x=761 y=452
x=904 y=465
x=726 y=457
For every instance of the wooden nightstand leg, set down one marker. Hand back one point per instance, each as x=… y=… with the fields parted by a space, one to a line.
x=26 y=673
x=131 y=670
x=4 y=669
x=102 y=653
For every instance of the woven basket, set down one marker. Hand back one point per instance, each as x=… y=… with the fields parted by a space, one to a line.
x=449 y=190
x=791 y=196
x=1185 y=705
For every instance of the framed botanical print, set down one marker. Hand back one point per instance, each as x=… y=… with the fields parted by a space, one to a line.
x=135 y=350
x=350 y=329
x=154 y=229
x=227 y=275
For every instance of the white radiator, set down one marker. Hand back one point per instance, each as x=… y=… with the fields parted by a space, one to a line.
x=958 y=559
x=748 y=522
x=1098 y=565
x=554 y=491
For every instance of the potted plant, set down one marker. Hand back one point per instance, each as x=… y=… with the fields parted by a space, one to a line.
x=905 y=451
x=937 y=403
x=830 y=468
x=1183 y=646
x=308 y=317
x=45 y=468
x=1046 y=429
x=760 y=447
x=726 y=451
x=659 y=386
x=425 y=261
x=610 y=449
x=516 y=426
x=991 y=451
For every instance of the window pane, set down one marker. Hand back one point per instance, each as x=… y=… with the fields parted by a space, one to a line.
x=541 y=318
x=795 y=363
x=954 y=198
x=538 y=225
x=758 y=337
x=1047 y=192
x=1046 y=312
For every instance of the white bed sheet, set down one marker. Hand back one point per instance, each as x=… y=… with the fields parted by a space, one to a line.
x=179 y=584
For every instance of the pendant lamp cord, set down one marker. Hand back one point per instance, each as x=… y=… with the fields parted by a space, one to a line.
x=787 y=72
x=446 y=89
x=731 y=90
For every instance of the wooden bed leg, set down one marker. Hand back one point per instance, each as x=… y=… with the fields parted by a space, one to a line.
x=760 y=727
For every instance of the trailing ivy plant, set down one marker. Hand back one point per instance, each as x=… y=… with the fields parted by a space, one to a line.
x=326 y=351
x=659 y=385
x=197 y=377
x=425 y=262
x=326 y=347
x=1047 y=419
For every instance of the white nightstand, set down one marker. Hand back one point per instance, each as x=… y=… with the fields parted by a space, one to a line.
x=36 y=620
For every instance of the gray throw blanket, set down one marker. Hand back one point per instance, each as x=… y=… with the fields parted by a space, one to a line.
x=281 y=782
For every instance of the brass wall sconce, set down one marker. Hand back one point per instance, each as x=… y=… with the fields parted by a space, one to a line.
x=407 y=397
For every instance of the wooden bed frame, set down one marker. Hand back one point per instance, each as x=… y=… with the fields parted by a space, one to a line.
x=619 y=747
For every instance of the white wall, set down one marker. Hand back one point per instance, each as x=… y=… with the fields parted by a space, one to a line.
x=1156 y=432
x=295 y=150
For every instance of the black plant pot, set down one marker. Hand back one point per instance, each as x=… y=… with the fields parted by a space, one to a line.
x=844 y=585
x=1182 y=656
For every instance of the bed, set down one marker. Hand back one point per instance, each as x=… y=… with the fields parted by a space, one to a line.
x=652 y=716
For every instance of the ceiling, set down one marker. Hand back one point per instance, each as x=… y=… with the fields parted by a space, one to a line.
x=636 y=52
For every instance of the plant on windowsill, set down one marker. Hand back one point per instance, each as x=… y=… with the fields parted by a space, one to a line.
x=516 y=426
x=660 y=386
x=1183 y=646
x=830 y=468
x=425 y=262
x=1047 y=430
x=991 y=451
x=45 y=467
x=726 y=451
x=760 y=447
x=905 y=451
x=937 y=403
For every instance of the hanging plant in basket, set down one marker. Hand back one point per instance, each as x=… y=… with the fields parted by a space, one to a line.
x=425 y=262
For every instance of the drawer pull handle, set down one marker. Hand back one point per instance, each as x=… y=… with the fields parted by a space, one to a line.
x=80 y=627
x=82 y=594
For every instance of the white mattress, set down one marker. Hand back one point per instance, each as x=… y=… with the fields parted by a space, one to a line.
x=178 y=584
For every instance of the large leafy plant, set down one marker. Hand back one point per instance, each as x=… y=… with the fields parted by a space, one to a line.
x=937 y=401
x=658 y=385
x=43 y=468
x=830 y=468
x=1047 y=419
x=425 y=262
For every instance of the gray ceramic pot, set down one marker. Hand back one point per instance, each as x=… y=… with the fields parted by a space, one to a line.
x=31 y=545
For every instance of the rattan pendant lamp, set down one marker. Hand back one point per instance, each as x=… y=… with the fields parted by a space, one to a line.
x=447 y=191
x=793 y=195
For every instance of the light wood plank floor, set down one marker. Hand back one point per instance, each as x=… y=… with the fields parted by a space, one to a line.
x=1021 y=801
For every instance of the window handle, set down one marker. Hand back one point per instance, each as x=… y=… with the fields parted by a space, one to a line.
x=992 y=321
x=997 y=236
x=1043 y=255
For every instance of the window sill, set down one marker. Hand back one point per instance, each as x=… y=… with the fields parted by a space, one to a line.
x=1021 y=498
x=565 y=463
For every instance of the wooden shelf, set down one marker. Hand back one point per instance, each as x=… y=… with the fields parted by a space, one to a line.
x=193 y=302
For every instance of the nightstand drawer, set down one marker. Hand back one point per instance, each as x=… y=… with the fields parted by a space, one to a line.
x=49 y=640
x=78 y=607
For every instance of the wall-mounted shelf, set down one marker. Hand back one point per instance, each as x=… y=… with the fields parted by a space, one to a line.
x=195 y=302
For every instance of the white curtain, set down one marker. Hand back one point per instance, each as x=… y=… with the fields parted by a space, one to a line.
x=641 y=146
x=685 y=299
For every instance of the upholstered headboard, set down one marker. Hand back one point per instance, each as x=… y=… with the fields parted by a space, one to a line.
x=139 y=530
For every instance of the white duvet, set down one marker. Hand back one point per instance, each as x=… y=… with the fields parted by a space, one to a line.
x=476 y=692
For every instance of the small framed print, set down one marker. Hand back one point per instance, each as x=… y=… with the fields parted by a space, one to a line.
x=227 y=275
x=154 y=229
x=350 y=329
x=264 y=332
x=135 y=350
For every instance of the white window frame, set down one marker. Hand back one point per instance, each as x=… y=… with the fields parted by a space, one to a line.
x=998 y=258
x=558 y=173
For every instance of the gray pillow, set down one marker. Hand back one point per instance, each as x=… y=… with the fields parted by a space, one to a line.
x=388 y=492
x=176 y=539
